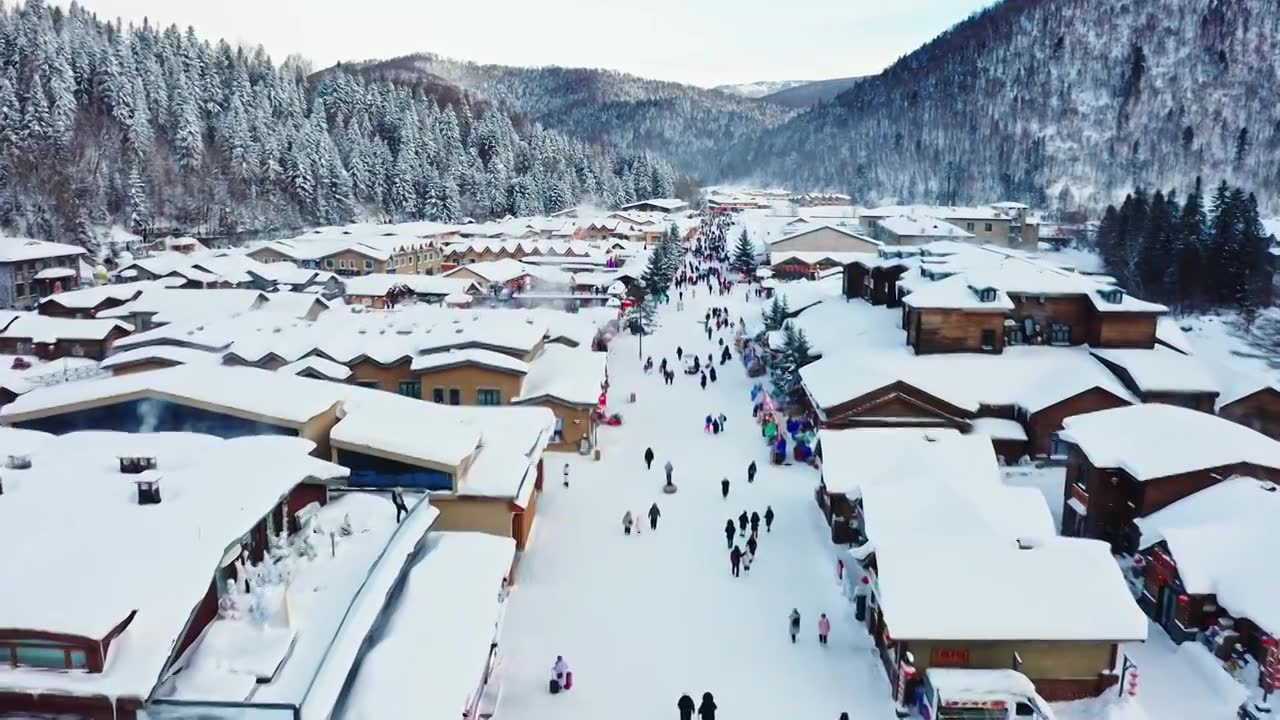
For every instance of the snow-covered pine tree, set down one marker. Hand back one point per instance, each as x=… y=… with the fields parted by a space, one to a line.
x=641 y=317
x=744 y=254
x=657 y=273
x=775 y=316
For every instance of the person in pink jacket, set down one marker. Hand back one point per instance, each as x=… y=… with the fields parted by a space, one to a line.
x=824 y=629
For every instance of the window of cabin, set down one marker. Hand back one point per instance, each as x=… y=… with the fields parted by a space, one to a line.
x=1060 y=334
x=988 y=339
x=44 y=656
x=488 y=396
x=6 y=655
x=988 y=295
x=328 y=263
x=411 y=388
x=455 y=396
x=558 y=434
x=368 y=265
x=987 y=227
x=968 y=226
x=77 y=350
x=1013 y=335
x=437 y=395
x=1058 y=447
x=20 y=289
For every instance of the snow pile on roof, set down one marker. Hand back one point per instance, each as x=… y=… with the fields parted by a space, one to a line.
x=1207 y=534
x=1156 y=440
x=46 y=329
x=495 y=271
x=451 y=604
x=999 y=428
x=331 y=601
x=969 y=683
x=1161 y=369
x=667 y=204
x=571 y=375
x=921 y=226
x=856 y=459
x=88 y=297
x=316 y=365
x=809 y=228
x=168 y=305
x=379 y=284
x=161 y=353
x=16 y=249
x=996 y=577
x=959 y=292
x=967 y=504
x=213 y=490
x=469 y=356
x=1030 y=377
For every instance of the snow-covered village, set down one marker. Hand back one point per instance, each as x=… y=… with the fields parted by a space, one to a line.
x=827 y=361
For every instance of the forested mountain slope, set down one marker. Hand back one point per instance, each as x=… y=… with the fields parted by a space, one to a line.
x=103 y=124
x=690 y=126
x=1065 y=102
x=808 y=94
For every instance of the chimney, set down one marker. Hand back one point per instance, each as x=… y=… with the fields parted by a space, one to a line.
x=148 y=483
x=136 y=464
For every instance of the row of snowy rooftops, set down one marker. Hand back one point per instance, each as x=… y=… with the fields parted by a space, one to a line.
x=95 y=564
x=368 y=421
x=935 y=512
x=216 y=266
x=18 y=249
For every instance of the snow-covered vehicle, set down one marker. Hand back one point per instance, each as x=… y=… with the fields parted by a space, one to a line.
x=962 y=694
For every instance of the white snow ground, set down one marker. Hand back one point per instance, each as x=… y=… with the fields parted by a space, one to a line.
x=642 y=619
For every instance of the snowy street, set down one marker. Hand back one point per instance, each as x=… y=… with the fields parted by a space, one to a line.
x=643 y=619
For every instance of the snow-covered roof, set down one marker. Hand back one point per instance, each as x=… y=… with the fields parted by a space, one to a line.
x=1080 y=594
x=942 y=212
x=999 y=428
x=1207 y=534
x=971 y=683
x=88 y=297
x=667 y=204
x=239 y=391
x=570 y=375
x=47 y=329
x=378 y=284
x=921 y=226
x=1170 y=333
x=1155 y=440
x=213 y=492
x=808 y=228
x=166 y=353
x=451 y=603
x=316 y=365
x=856 y=459
x=495 y=271
x=1160 y=369
x=814 y=257
x=959 y=293
x=469 y=356
x=840 y=377
x=928 y=501
x=168 y=305
x=16 y=249
x=55 y=273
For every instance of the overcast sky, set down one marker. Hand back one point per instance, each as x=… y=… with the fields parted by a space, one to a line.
x=704 y=42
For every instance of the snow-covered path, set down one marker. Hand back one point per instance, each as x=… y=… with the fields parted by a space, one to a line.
x=642 y=619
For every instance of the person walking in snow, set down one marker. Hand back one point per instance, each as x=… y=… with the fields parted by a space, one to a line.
x=751 y=472
x=566 y=474
x=746 y=563
x=648 y=458
x=711 y=370
x=704 y=381
x=768 y=519
x=735 y=560
x=685 y=706
x=824 y=629
x=724 y=491
x=742 y=522
x=707 y=710
x=706 y=425
x=793 y=622
x=669 y=468
x=729 y=531
x=715 y=427
x=654 y=514
x=755 y=523
x=663 y=367
x=560 y=670
x=722 y=420
x=752 y=545
x=679 y=353
x=725 y=355
x=626 y=523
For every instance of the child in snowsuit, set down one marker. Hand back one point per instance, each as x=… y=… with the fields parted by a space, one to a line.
x=735 y=559
x=729 y=531
x=626 y=523
x=724 y=490
x=768 y=519
x=794 y=623
x=824 y=629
